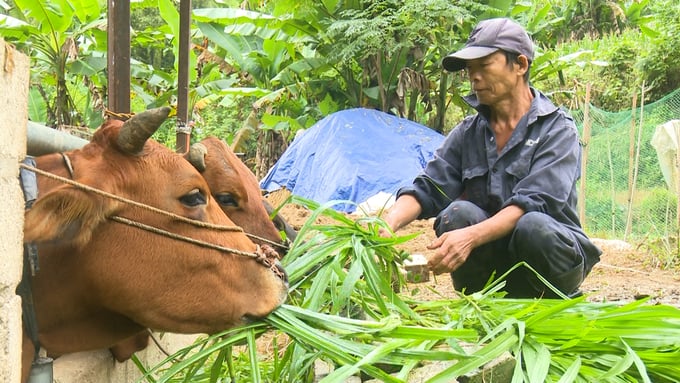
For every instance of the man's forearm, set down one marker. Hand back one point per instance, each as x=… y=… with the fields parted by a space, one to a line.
x=497 y=226
x=405 y=209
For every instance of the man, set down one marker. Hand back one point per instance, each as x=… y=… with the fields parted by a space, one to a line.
x=503 y=183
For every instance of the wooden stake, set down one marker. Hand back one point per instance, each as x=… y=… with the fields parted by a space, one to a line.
x=585 y=140
x=676 y=128
x=631 y=155
x=636 y=168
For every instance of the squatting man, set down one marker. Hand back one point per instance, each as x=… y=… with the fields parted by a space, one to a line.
x=502 y=185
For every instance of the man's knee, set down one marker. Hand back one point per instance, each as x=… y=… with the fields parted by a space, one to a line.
x=457 y=215
x=550 y=249
x=534 y=230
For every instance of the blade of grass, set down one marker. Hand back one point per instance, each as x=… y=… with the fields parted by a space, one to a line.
x=536 y=357
x=492 y=350
x=571 y=373
x=252 y=349
x=216 y=370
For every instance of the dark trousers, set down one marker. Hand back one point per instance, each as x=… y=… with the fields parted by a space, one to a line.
x=540 y=241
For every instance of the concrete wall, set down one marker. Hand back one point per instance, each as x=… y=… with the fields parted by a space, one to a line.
x=14 y=76
x=100 y=367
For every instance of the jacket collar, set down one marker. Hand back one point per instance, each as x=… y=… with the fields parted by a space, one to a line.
x=540 y=106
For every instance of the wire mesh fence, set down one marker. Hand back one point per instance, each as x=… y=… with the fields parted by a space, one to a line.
x=630 y=162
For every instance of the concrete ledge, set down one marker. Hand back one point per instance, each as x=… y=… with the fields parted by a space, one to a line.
x=100 y=367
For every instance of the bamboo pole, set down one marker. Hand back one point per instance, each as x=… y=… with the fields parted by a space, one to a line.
x=676 y=127
x=612 y=187
x=636 y=168
x=585 y=139
x=631 y=155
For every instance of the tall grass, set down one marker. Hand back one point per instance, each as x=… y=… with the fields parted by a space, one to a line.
x=343 y=309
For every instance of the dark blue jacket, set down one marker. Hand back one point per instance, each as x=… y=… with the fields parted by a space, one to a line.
x=537 y=169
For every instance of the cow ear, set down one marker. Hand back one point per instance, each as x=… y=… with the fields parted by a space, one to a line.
x=64 y=214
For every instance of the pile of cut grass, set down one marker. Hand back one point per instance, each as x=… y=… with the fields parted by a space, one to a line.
x=343 y=309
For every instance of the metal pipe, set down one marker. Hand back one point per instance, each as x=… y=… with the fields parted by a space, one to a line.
x=183 y=129
x=118 y=55
x=41 y=140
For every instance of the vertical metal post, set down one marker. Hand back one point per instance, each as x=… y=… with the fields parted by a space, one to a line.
x=183 y=130
x=118 y=57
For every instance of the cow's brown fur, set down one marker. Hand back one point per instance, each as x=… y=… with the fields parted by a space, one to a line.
x=228 y=176
x=238 y=193
x=101 y=282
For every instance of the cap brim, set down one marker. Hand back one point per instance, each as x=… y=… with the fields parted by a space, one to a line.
x=456 y=61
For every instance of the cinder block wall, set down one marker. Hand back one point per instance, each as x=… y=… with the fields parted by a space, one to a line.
x=14 y=77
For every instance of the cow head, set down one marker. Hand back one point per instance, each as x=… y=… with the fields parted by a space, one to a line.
x=101 y=281
x=238 y=192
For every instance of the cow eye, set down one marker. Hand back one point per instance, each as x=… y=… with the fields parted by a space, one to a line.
x=226 y=199
x=193 y=198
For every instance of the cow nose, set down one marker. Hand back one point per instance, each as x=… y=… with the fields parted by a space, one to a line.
x=278 y=269
x=270 y=253
x=272 y=260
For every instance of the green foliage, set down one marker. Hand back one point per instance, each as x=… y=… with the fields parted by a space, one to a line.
x=606 y=215
x=664 y=252
x=616 y=61
x=294 y=57
x=52 y=35
x=372 y=44
x=660 y=65
x=657 y=212
x=150 y=45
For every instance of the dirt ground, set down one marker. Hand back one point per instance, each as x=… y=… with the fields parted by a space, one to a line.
x=624 y=273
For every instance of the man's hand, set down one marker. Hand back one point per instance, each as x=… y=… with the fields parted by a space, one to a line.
x=452 y=249
x=385 y=233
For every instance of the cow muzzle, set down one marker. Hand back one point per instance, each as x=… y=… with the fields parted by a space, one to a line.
x=270 y=258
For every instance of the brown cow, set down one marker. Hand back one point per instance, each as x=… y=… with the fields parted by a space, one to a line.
x=236 y=190
x=101 y=281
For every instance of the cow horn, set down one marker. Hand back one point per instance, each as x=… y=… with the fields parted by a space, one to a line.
x=135 y=131
x=196 y=156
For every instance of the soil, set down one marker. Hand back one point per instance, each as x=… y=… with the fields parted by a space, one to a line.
x=625 y=272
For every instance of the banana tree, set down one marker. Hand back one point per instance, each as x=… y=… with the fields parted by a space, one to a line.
x=263 y=58
x=64 y=40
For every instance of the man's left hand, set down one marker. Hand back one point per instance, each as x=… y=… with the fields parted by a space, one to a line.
x=451 y=250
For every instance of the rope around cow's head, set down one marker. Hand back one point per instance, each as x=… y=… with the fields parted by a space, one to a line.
x=173 y=111
x=261 y=255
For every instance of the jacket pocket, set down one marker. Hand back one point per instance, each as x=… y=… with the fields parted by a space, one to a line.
x=519 y=169
x=475 y=185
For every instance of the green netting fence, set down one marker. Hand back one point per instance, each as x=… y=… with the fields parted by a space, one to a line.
x=629 y=193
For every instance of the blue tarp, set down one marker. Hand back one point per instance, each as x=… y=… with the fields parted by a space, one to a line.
x=352 y=155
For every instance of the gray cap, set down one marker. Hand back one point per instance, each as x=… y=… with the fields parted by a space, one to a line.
x=488 y=37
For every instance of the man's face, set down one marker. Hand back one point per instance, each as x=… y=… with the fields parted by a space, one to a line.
x=492 y=79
